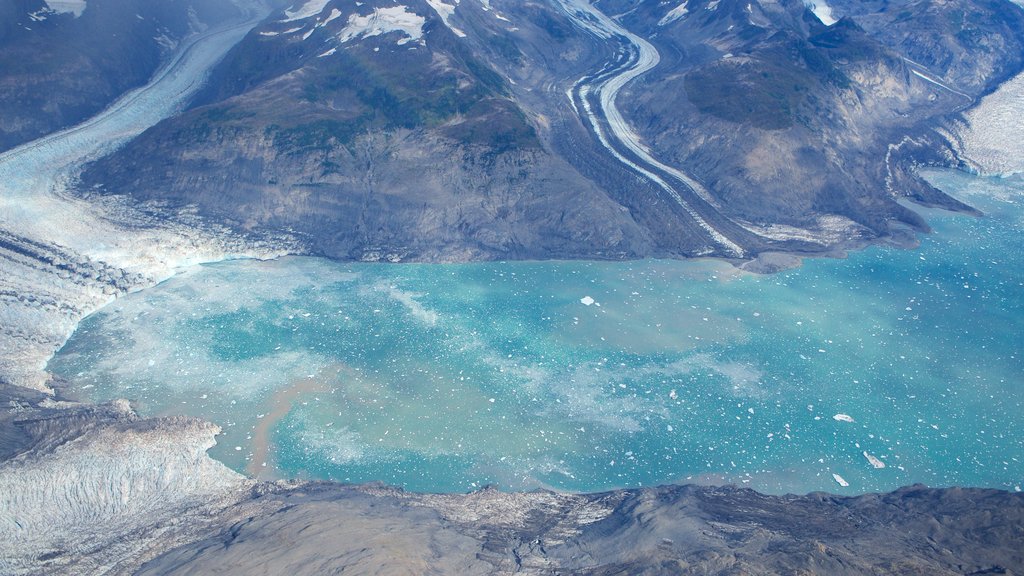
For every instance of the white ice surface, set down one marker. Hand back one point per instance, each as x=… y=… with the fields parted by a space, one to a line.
x=992 y=138
x=305 y=10
x=85 y=496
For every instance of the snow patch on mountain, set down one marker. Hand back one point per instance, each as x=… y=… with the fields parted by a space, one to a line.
x=445 y=11
x=383 y=21
x=486 y=5
x=822 y=10
x=673 y=15
x=288 y=31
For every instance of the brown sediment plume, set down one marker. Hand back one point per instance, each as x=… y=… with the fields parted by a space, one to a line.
x=324 y=380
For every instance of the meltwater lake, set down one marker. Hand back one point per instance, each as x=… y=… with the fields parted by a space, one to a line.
x=885 y=369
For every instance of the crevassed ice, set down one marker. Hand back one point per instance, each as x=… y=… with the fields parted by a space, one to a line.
x=992 y=139
x=822 y=10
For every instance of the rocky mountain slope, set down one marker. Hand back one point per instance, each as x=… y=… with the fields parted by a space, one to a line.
x=559 y=129
x=380 y=132
x=667 y=530
x=792 y=122
x=63 y=61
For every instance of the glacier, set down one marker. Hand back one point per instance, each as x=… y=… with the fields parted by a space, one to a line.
x=61 y=256
x=990 y=136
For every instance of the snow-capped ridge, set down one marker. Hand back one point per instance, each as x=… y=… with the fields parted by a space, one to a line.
x=383 y=21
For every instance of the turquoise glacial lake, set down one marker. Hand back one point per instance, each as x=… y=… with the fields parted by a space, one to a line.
x=884 y=369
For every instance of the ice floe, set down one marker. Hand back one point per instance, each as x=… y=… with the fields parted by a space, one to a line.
x=76 y=7
x=875 y=462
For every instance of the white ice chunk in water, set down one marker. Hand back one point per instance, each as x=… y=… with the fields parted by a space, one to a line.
x=874 y=461
x=843 y=418
x=587 y=301
x=839 y=480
